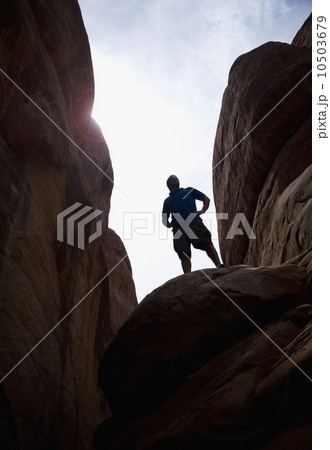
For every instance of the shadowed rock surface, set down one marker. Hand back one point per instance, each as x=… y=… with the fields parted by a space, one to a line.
x=52 y=399
x=188 y=370
x=267 y=175
x=184 y=323
x=8 y=427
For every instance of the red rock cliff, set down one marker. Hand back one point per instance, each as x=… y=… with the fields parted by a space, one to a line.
x=262 y=153
x=51 y=400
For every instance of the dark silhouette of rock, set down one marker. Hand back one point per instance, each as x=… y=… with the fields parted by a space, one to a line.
x=53 y=394
x=8 y=427
x=184 y=333
x=240 y=399
x=262 y=153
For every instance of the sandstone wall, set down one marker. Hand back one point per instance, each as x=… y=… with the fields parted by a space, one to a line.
x=53 y=395
x=262 y=153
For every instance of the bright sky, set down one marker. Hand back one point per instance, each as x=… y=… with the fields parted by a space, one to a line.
x=160 y=69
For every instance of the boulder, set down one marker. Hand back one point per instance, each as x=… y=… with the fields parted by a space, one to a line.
x=189 y=370
x=180 y=326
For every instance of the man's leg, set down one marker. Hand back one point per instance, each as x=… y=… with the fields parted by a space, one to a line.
x=204 y=241
x=186 y=264
x=182 y=248
x=212 y=253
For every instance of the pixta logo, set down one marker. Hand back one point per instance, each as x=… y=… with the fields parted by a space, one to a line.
x=151 y=224
x=66 y=221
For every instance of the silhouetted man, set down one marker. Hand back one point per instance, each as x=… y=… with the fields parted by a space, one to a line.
x=186 y=224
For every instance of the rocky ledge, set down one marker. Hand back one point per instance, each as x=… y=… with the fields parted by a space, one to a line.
x=215 y=359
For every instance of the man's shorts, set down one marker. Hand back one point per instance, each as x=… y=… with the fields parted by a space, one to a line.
x=182 y=244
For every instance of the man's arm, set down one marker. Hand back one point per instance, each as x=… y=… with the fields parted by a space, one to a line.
x=206 y=204
x=165 y=220
x=166 y=216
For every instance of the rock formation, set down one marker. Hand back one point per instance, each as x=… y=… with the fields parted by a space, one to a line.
x=221 y=358
x=262 y=153
x=47 y=140
x=215 y=359
x=189 y=370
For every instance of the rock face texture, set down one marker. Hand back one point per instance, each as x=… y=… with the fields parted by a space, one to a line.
x=220 y=359
x=47 y=144
x=262 y=153
x=190 y=370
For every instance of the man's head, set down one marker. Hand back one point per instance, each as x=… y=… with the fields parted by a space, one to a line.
x=173 y=183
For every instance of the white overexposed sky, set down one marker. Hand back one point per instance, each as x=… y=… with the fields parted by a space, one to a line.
x=160 y=69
